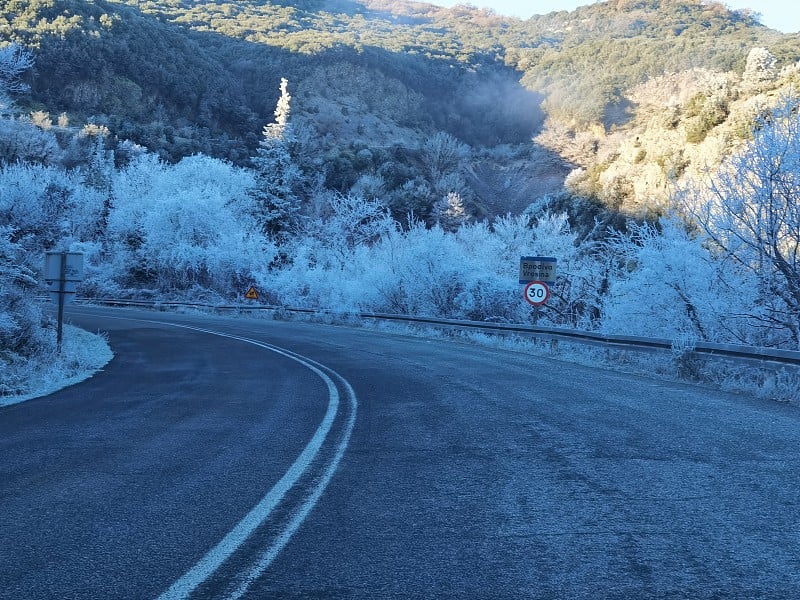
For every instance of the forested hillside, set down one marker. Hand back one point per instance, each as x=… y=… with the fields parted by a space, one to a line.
x=371 y=80
x=398 y=157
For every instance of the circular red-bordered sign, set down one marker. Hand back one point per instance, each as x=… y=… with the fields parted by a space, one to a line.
x=537 y=292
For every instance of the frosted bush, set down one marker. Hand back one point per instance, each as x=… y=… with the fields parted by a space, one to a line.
x=173 y=228
x=21 y=140
x=25 y=335
x=48 y=206
x=667 y=284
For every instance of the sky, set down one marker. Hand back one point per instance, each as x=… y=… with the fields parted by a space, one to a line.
x=782 y=15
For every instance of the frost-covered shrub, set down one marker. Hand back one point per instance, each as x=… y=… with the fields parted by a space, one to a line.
x=369 y=186
x=48 y=206
x=174 y=228
x=667 y=284
x=24 y=335
x=21 y=140
x=489 y=298
x=328 y=258
x=355 y=256
x=749 y=212
x=422 y=271
x=344 y=222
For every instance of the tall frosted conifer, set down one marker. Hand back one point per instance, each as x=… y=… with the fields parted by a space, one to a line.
x=277 y=177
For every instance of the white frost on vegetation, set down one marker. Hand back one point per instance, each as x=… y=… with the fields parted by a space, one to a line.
x=82 y=355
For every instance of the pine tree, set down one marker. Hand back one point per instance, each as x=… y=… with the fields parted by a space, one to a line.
x=449 y=212
x=277 y=176
x=100 y=166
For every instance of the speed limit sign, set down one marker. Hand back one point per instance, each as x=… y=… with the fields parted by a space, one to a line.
x=537 y=292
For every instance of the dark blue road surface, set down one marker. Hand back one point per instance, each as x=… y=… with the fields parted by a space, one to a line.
x=469 y=472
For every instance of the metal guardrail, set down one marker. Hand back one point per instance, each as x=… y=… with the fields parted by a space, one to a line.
x=730 y=351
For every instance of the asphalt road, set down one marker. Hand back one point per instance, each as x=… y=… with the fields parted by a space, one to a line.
x=263 y=459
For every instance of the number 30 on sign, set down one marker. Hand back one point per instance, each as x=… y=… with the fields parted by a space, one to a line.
x=537 y=292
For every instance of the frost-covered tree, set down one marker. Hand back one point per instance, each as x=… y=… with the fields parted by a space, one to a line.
x=445 y=159
x=420 y=271
x=277 y=175
x=332 y=255
x=369 y=186
x=543 y=231
x=280 y=129
x=99 y=169
x=14 y=60
x=41 y=119
x=473 y=273
x=353 y=221
x=98 y=175
x=442 y=153
x=22 y=141
x=47 y=206
x=414 y=197
x=355 y=256
x=189 y=226
x=345 y=223
x=750 y=211
x=760 y=70
x=665 y=283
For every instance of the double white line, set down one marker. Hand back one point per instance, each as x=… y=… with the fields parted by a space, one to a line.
x=259 y=514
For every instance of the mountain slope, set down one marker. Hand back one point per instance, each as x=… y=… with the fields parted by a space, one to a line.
x=373 y=75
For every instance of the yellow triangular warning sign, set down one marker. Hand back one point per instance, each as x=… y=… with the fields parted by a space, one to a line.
x=251 y=294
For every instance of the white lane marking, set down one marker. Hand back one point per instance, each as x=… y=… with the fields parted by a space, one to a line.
x=214 y=558
x=266 y=558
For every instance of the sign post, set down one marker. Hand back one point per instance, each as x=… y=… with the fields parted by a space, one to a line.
x=62 y=272
x=536 y=275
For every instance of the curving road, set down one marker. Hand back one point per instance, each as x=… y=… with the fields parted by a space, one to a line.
x=244 y=458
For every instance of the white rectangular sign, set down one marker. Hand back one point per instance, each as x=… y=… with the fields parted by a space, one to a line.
x=72 y=270
x=537 y=268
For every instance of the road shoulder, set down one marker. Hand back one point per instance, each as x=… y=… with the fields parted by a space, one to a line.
x=82 y=355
